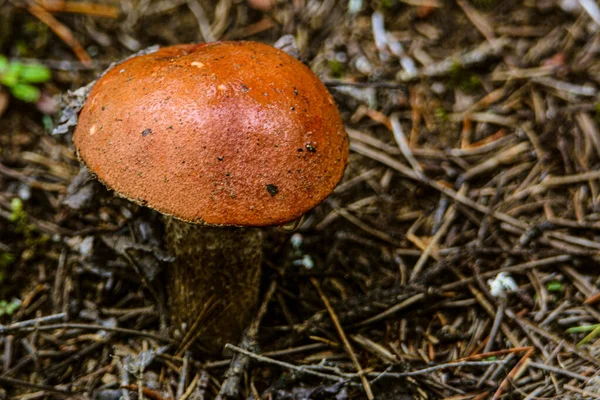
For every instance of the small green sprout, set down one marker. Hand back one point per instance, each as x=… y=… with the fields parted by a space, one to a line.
x=442 y=114
x=8 y=308
x=336 y=68
x=19 y=78
x=594 y=332
x=583 y=328
x=19 y=217
x=16 y=208
x=555 y=286
x=35 y=73
x=463 y=79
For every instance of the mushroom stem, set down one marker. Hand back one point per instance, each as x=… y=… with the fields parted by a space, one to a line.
x=223 y=262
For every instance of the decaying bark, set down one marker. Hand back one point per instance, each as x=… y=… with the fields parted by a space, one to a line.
x=220 y=261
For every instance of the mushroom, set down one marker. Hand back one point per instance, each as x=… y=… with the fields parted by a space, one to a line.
x=221 y=138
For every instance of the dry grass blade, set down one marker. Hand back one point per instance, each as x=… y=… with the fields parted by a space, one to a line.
x=389 y=161
x=283 y=364
x=347 y=345
x=585 y=393
x=404 y=146
x=204 y=318
x=505 y=157
x=477 y=19
x=44 y=388
x=448 y=220
x=571 y=347
x=514 y=372
x=62 y=31
x=392 y=310
x=92 y=9
x=383 y=158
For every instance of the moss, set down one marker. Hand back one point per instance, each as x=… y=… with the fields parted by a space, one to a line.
x=463 y=79
x=337 y=68
x=442 y=114
x=389 y=3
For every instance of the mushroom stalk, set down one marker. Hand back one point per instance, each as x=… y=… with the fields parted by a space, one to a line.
x=218 y=263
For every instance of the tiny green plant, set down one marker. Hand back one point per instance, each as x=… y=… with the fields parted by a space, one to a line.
x=9 y=307
x=594 y=332
x=23 y=226
x=442 y=113
x=336 y=68
x=389 y=3
x=19 y=78
x=555 y=286
x=18 y=216
x=583 y=328
x=463 y=79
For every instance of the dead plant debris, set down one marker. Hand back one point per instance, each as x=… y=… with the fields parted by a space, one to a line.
x=458 y=259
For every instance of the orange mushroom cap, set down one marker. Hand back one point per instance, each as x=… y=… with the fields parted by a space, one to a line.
x=225 y=133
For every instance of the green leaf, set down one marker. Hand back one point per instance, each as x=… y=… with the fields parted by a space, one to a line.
x=554 y=286
x=582 y=328
x=10 y=77
x=591 y=336
x=7 y=308
x=35 y=73
x=12 y=307
x=16 y=206
x=25 y=92
x=336 y=68
x=441 y=113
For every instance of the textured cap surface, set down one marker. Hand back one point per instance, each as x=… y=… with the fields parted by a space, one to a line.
x=225 y=133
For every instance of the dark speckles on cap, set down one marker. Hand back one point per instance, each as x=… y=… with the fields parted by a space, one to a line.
x=272 y=189
x=146 y=132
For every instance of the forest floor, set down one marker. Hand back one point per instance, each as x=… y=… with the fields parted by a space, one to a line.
x=475 y=149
